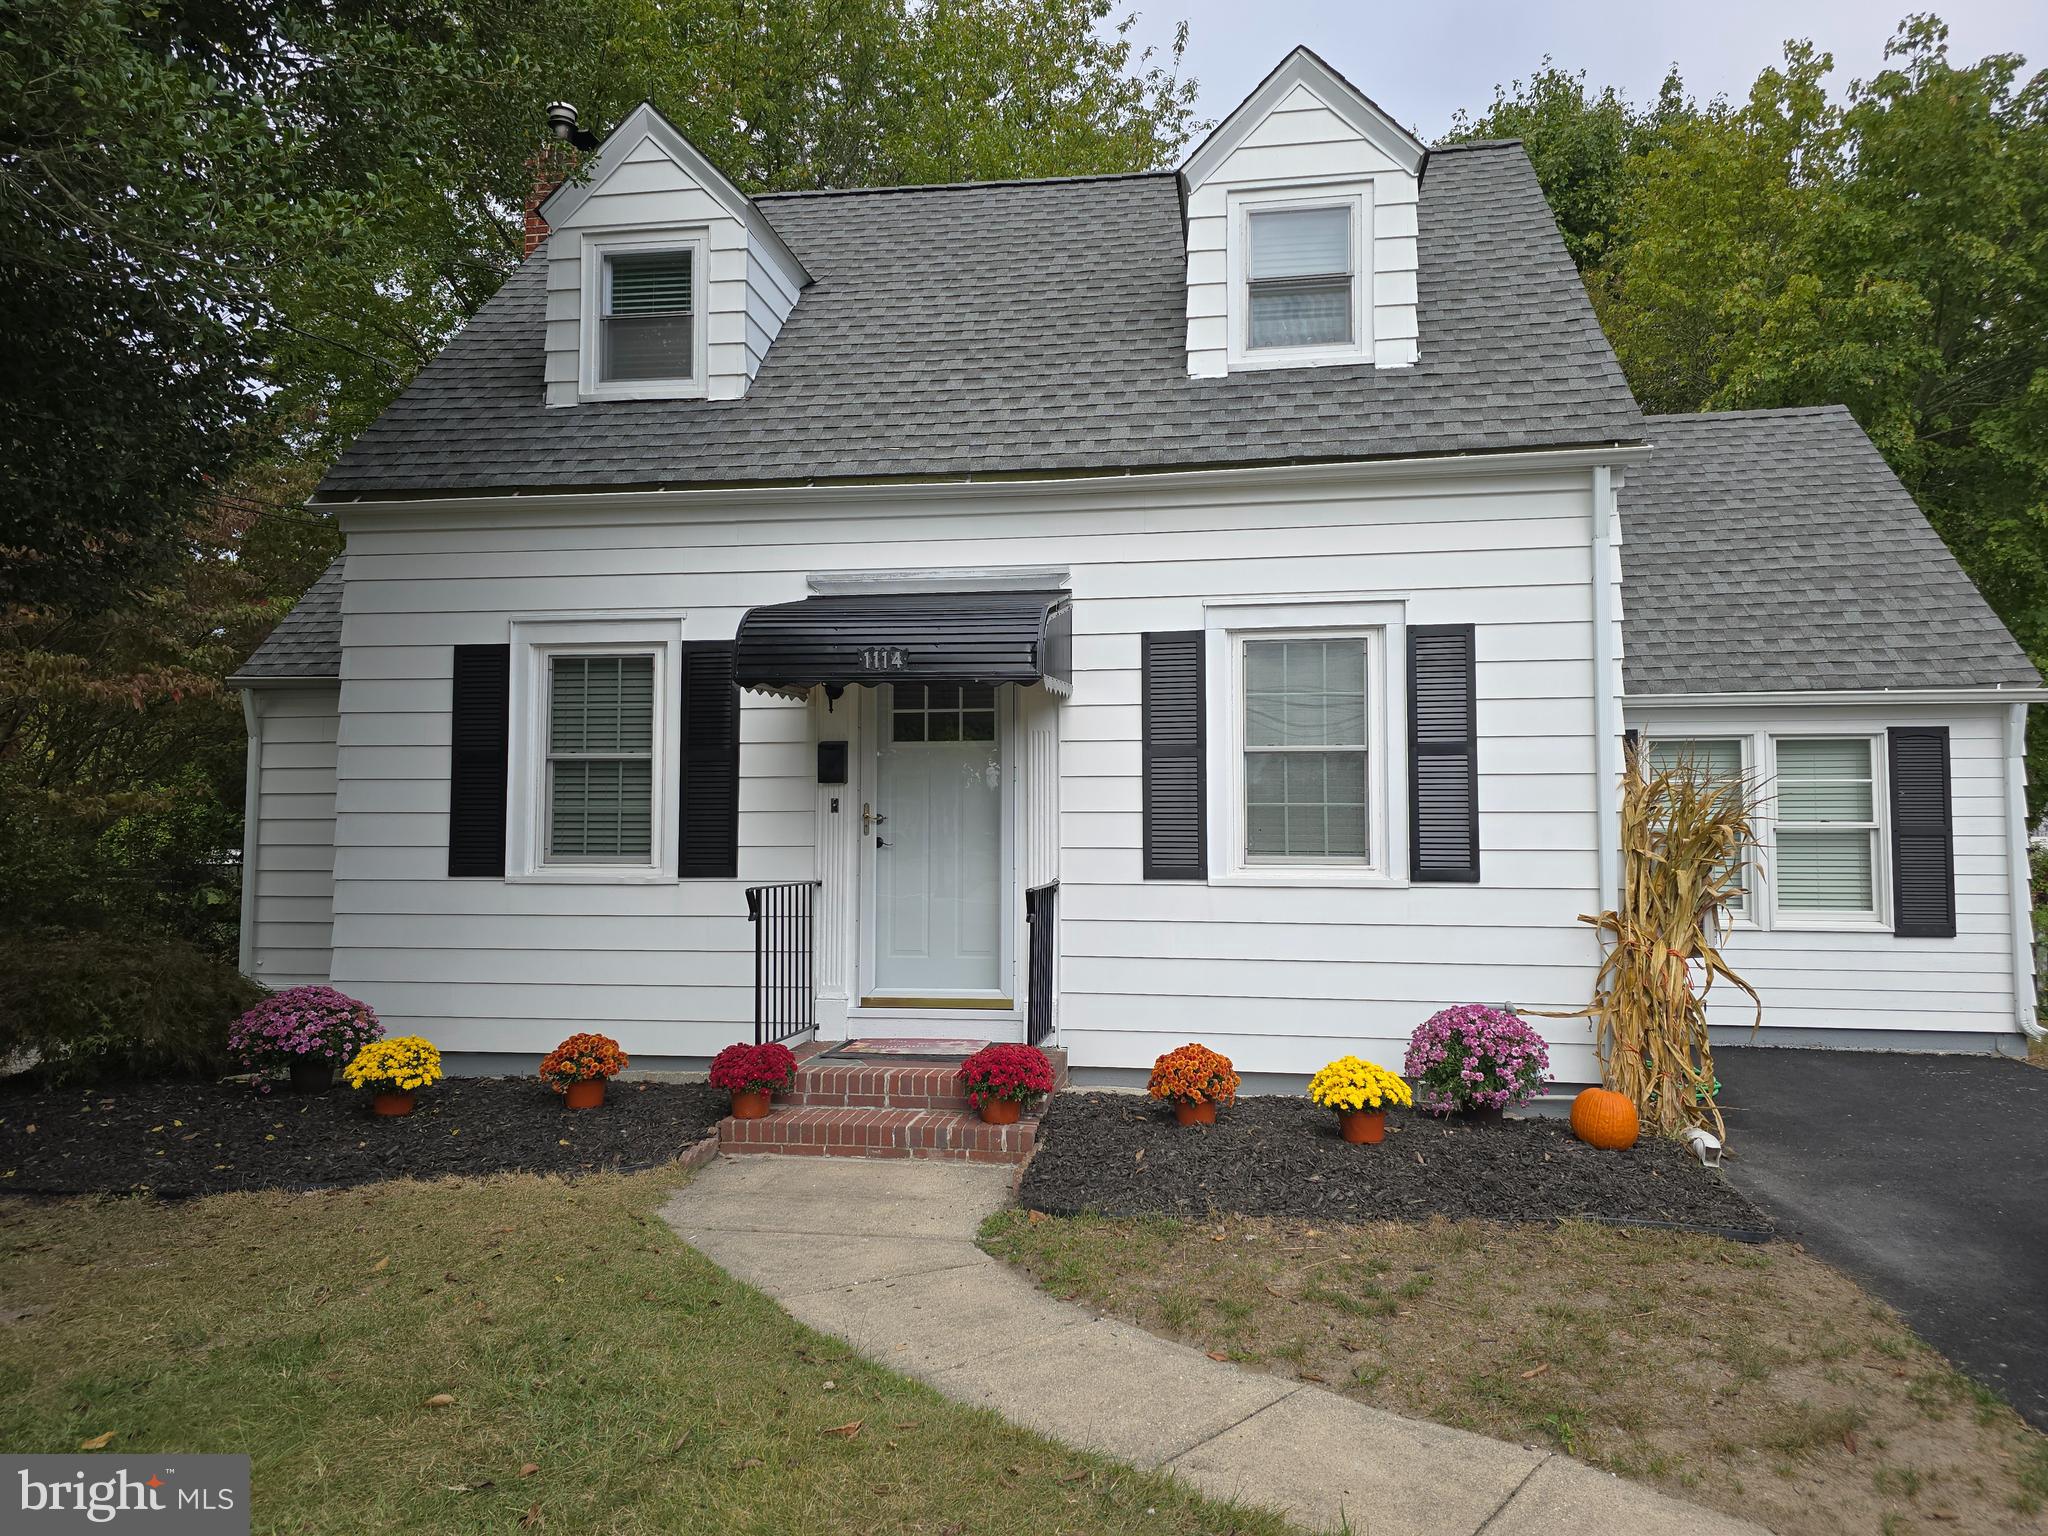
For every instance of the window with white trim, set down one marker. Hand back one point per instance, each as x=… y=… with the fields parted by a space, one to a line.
x=1825 y=827
x=1715 y=760
x=600 y=759
x=647 y=326
x=1298 y=278
x=1307 y=757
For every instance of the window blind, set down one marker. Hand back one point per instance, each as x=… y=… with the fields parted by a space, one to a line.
x=649 y=316
x=1299 y=278
x=1301 y=242
x=1827 y=829
x=1715 y=762
x=600 y=758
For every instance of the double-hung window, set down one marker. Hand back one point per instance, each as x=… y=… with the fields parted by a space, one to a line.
x=600 y=759
x=1713 y=761
x=1826 y=827
x=647 y=325
x=1305 y=747
x=1298 y=278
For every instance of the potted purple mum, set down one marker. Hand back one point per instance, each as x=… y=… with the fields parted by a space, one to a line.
x=1475 y=1061
x=307 y=1032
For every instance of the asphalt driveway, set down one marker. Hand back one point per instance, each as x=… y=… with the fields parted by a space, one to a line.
x=1925 y=1177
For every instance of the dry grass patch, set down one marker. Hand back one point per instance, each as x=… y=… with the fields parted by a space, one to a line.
x=604 y=1376
x=1755 y=1380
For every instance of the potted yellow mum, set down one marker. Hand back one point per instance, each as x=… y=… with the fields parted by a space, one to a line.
x=1360 y=1092
x=394 y=1070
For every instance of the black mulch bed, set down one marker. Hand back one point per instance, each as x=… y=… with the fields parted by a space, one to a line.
x=205 y=1138
x=1120 y=1155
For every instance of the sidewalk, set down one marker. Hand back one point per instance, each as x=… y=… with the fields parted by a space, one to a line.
x=882 y=1254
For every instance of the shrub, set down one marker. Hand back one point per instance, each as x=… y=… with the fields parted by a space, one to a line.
x=86 y=1008
x=1475 y=1057
x=1018 y=1072
x=303 y=1023
x=580 y=1059
x=1350 y=1082
x=753 y=1068
x=400 y=1065
x=1193 y=1074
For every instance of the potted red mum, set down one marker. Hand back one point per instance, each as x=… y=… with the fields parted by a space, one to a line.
x=1002 y=1079
x=580 y=1066
x=751 y=1074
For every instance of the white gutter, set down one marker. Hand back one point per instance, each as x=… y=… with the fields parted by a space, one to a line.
x=1986 y=693
x=2021 y=887
x=1606 y=692
x=252 y=840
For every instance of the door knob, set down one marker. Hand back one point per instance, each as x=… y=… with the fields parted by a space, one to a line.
x=870 y=818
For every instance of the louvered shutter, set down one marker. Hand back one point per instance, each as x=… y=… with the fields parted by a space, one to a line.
x=480 y=709
x=708 y=845
x=1443 y=752
x=1923 y=833
x=1175 y=802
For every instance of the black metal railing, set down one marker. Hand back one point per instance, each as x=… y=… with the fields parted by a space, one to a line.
x=1041 y=915
x=785 y=997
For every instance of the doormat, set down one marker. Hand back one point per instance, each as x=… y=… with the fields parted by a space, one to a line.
x=923 y=1050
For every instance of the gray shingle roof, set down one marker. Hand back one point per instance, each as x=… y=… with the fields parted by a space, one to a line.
x=1031 y=326
x=307 y=641
x=1769 y=550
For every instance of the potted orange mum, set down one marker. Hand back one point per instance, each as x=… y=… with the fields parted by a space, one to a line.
x=580 y=1066
x=1194 y=1079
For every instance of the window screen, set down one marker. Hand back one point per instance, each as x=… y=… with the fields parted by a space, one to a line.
x=1826 y=826
x=1300 y=278
x=649 y=309
x=1305 y=751
x=601 y=759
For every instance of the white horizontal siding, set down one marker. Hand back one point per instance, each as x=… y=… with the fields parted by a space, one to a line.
x=1291 y=974
x=1870 y=979
x=292 y=914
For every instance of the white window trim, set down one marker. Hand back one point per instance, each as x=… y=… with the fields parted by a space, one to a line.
x=535 y=642
x=1354 y=194
x=1878 y=919
x=1382 y=622
x=596 y=246
x=1745 y=915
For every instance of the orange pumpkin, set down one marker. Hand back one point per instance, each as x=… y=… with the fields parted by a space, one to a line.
x=1605 y=1119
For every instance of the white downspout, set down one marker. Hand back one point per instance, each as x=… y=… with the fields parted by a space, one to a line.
x=252 y=720
x=2020 y=886
x=1607 y=726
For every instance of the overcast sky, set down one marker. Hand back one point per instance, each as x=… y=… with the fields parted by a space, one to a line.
x=1422 y=60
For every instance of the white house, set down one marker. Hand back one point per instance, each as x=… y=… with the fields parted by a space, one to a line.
x=1123 y=610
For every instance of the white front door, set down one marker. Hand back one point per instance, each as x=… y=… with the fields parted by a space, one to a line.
x=937 y=851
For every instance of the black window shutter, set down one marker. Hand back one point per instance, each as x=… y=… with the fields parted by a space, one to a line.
x=1176 y=801
x=1443 y=752
x=480 y=709
x=708 y=843
x=1923 y=833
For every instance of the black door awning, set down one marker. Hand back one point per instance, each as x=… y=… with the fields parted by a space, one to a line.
x=899 y=637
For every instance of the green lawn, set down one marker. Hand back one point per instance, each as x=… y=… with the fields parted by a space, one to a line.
x=604 y=1375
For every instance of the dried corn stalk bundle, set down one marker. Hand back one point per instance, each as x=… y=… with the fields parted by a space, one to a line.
x=1685 y=838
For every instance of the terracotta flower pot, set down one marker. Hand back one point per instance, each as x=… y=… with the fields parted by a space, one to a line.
x=1366 y=1126
x=1193 y=1112
x=1001 y=1111
x=391 y=1104
x=750 y=1106
x=312 y=1074
x=587 y=1094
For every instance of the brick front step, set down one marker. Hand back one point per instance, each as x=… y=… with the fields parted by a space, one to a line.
x=878 y=1084
x=827 y=1131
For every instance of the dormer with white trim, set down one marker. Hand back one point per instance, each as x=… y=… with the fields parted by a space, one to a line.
x=1301 y=229
x=665 y=282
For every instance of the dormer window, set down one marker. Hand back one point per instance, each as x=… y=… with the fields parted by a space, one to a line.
x=643 y=307
x=650 y=314
x=1299 y=278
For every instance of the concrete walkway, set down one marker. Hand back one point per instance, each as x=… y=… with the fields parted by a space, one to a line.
x=882 y=1255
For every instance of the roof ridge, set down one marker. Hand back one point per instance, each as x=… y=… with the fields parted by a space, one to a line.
x=1467 y=144
x=961 y=186
x=1751 y=414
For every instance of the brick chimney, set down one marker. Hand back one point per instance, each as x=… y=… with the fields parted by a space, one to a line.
x=552 y=164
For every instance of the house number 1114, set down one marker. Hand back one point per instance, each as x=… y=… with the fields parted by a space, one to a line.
x=884 y=658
